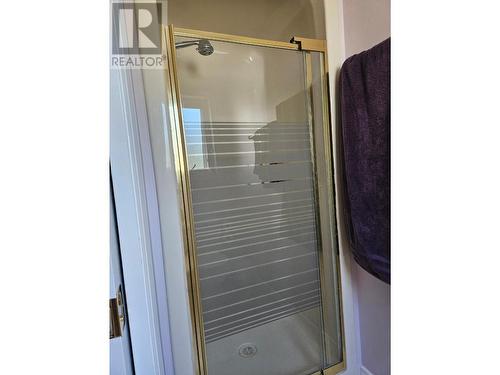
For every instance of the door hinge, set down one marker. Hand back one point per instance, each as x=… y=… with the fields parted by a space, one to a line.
x=116 y=315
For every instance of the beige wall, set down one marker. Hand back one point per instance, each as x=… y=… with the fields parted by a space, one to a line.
x=275 y=20
x=366 y=23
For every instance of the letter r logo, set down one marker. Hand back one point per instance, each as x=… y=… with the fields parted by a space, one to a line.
x=136 y=28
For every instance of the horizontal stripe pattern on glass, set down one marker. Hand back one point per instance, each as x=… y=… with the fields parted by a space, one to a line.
x=254 y=215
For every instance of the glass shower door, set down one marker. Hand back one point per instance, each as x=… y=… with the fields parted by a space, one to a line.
x=248 y=141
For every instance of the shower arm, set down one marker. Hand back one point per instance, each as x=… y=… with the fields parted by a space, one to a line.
x=187 y=43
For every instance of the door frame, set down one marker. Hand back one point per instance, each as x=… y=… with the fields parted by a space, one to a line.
x=137 y=219
x=306 y=45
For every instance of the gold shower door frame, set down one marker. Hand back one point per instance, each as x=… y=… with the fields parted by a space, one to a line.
x=305 y=45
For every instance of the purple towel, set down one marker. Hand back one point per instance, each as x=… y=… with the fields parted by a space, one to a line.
x=365 y=108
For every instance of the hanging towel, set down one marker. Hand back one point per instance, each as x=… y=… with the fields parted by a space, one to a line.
x=365 y=110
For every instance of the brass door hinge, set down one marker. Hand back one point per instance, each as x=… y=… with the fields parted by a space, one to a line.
x=116 y=315
x=307 y=44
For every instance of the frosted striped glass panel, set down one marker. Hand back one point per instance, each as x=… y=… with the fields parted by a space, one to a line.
x=255 y=224
x=248 y=142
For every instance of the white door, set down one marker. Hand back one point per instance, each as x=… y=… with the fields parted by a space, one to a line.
x=120 y=353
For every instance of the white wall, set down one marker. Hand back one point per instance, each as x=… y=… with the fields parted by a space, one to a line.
x=374 y=312
x=170 y=219
x=367 y=23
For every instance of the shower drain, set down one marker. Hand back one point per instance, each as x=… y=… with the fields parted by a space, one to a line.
x=247 y=350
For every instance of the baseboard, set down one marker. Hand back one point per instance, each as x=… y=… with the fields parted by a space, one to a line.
x=365 y=371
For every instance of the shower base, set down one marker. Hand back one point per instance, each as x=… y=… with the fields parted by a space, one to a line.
x=287 y=346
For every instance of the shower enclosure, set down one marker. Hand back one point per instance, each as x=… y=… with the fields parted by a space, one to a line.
x=254 y=164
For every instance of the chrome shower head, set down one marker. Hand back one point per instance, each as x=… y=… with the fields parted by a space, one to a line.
x=204 y=48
